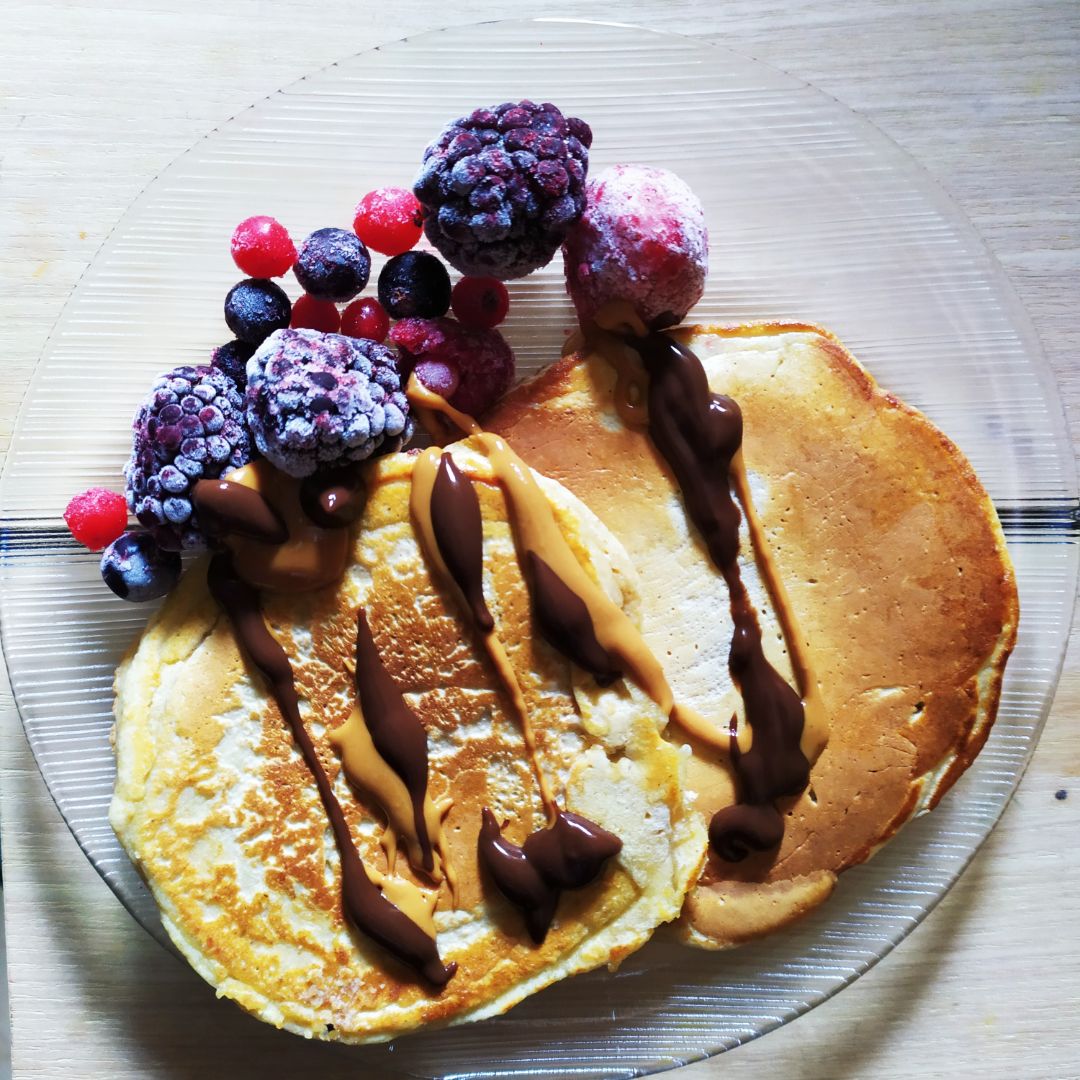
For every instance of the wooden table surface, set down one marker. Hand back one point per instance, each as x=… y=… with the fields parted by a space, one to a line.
x=95 y=99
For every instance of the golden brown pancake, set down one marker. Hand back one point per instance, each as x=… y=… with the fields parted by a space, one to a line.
x=893 y=561
x=217 y=808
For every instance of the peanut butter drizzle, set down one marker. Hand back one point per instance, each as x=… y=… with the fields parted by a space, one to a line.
x=425 y=471
x=311 y=558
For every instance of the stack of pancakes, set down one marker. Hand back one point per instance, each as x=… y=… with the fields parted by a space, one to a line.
x=894 y=565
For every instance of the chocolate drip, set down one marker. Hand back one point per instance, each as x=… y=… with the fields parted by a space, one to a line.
x=456 y=522
x=363 y=902
x=699 y=433
x=565 y=622
x=398 y=735
x=569 y=854
x=233 y=509
x=333 y=499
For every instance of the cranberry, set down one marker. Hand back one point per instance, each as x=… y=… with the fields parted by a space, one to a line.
x=365 y=318
x=262 y=248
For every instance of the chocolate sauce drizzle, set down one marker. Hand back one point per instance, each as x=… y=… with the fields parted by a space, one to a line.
x=571 y=851
x=363 y=902
x=699 y=433
x=333 y=499
x=398 y=735
x=226 y=509
x=568 y=854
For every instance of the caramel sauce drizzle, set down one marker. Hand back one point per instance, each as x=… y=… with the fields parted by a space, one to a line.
x=391 y=912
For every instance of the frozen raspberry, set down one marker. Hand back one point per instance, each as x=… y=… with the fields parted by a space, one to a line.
x=389 y=220
x=311 y=314
x=262 y=248
x=333 y=264
x=136 y=568
x=480 y=361
x=501 y=186
x=642 y=239
x=232 y=358
x=316 y=400
x=255 y=308
x=96 y=517
x=189 y=428
x=365 y=318
x=480 y=302
x=415 y=285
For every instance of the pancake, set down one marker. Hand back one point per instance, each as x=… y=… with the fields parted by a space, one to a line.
x=896 y=575
x=217 y=808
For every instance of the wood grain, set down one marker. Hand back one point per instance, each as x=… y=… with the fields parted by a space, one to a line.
x=96 y=99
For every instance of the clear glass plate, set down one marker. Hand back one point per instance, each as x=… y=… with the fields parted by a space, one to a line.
x=814 y=216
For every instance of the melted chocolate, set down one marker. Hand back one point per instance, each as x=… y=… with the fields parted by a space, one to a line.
x=569 y=854
x=458 y=529
x=699 y=433
x=227 y=509
x=398 y=735
x=363 y=901
x=333 y=499
x=565 y=622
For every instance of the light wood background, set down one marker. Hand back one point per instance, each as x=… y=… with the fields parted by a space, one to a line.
x=96 y=98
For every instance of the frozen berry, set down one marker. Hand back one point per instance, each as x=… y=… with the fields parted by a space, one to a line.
x=96 y=517
x=333 y=264
x=311 y=314
x=481 y=360
x=365 y=318
x=389 y=220
x=415 y=285
x=255 y=308
x=480 y=302
x=136 y=568
x=501 y=186
x=262 y=248
x=318 y=400
x=232 y=358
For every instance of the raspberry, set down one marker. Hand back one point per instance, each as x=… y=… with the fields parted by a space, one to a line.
x=365 y=318
x=501 y=186
x=642 y=239
x=262 y=248
x=96 y=517
x=442 y=349
x=137 y=569
x=189 y=428
x=311 y=314
x=415 y=285
x=332 y=265
x=255 y=308
x=480 y=302
x=389 y=220
x=316 y=400
x=232 y=358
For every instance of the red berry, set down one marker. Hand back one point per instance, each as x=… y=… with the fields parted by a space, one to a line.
x=365 y=318
x=311 y=314
x=480 y=302
x=389 y=220
x=96 y=517
x=262 y=248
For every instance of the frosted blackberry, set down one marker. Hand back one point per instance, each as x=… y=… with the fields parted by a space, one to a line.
x=500 y=187
x=316 y=400
x=189 y=428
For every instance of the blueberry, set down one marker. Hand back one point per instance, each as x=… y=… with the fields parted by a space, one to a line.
x=415 y=285
x=137 y=569
x=232 y=358
x=255 y=308
x=333 y=264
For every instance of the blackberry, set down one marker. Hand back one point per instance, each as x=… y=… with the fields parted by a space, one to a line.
x=316 y=400
x=189 y=428
x=255 y=308
x=415 y=285
x=501 y=187
x=232 y=358
x=136 y=568
x=333 y=264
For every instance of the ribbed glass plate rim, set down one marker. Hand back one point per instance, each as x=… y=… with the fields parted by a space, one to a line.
x=26 y=534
